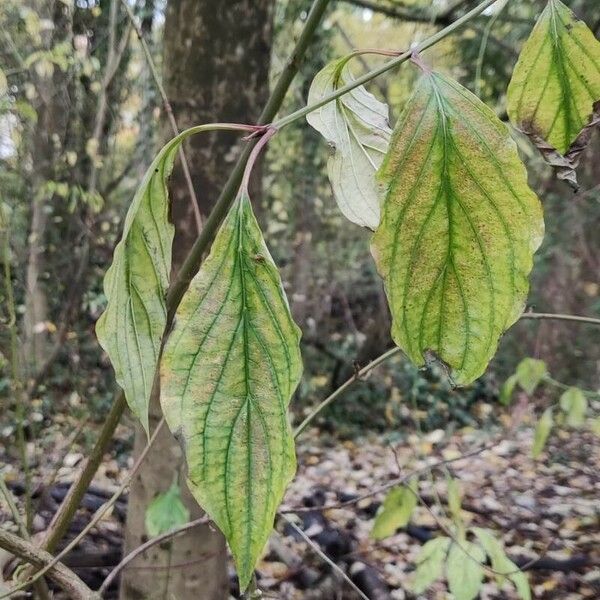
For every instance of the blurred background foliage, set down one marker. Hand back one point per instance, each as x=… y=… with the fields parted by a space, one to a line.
x=78 y=126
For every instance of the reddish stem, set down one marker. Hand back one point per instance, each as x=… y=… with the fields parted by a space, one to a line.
x=417 y=59
x=266 y=132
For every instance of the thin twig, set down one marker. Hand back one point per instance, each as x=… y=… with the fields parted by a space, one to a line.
x=560 y=317
x=358 y=375
x=564 y=386
x=359 y=55
x=14 y=511
x=483 y=46
x=64 y=451
x=390 y=484
x=423 y=16
x=530 y=563
x=97 y=516
x=61 y=520
x=141 y=549
x=324 y=556
x=113 y=59
x=390 y=353
x=15 y=370
x=170 y=115
x=387 y=66
x=61 y=575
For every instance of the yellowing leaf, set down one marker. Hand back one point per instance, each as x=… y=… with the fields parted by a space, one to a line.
x=430 y=563
x=530 y=372
x=166 y=512
x=131 y=328
x=230 y=367
x=454 y=500
x=554 y=92
x=574 y=403
x=356 y=126
x=464 y=570
x=396 y=511
x=507 y=389
x=458 y=231
x=542 y=431
x=502 y=564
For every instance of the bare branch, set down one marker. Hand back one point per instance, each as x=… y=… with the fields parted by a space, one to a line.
x=358 y=375
x=141 y=549
x=390 y=484
x=390 y=353
x=560 y=317
x=324 y=556
x=97 y=516
x=61 y=575
x=405 y=13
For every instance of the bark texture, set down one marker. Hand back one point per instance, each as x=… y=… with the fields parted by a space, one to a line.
x=215 y=68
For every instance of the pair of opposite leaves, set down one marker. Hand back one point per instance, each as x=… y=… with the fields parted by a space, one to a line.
x=229 y=366
x=456 y=225
x=454 y=244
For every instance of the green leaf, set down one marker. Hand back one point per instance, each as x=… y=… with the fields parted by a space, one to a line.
x=430 y=563
x=454 y=500
x=166 y=512
x=594 y=426
x=542 y=431
x=507 y=389
x=396 y=511
x=458 y=231
x=356 y=126
x=465 y=573
x=229 y=369
x=502 y=564
x=131 y=328
x=574 y=403
x=554 y=92
x=530 y=371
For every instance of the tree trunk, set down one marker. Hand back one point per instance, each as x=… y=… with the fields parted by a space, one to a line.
x=48 y=139
x=216 y=65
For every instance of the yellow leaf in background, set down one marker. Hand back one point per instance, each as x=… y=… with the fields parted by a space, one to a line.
x=464 y=570
x=574 y=403
x=396 y=510
x=554 y=92
x=454 y=500
x=542 y=431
